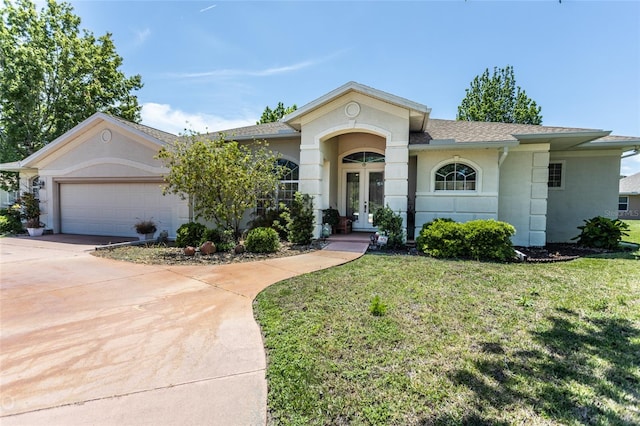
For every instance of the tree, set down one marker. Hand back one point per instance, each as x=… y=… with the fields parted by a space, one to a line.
x=271 y=116
x=52 y=77
x=222 y=178
x=496 y=98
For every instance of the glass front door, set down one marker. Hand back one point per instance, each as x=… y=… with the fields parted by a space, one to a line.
x=364 y=194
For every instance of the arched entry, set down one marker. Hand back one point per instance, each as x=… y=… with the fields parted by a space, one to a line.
x=362 y=189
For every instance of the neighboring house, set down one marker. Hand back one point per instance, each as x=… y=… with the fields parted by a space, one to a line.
x=629 y=197
x=355 y=149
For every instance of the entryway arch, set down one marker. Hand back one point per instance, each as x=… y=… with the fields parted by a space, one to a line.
x=361 y=185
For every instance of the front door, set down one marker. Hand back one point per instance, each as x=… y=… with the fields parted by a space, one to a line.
x=364 y=194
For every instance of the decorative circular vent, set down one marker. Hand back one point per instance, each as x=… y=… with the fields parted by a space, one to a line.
x=352 y=110
x=105 y=136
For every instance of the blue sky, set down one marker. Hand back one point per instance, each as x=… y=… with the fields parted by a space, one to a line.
x=217 y=64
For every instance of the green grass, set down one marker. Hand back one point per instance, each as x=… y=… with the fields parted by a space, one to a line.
x=634 y=231
x=458 y=343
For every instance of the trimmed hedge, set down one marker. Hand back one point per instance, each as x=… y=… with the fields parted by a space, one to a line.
x=190 y=234
x=262 y=240
x=477 y=239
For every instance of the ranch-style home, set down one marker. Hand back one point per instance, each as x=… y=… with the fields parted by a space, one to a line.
x=355 y=148
x=629 y=197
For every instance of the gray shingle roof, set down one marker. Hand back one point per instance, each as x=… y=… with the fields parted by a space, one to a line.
x=630 y=184
x=259 y=131
x=479 y=131
x=160 y=135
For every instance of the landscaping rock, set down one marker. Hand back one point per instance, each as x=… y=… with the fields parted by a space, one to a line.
x=208 y=248
x=189 y=251
x=239 y=249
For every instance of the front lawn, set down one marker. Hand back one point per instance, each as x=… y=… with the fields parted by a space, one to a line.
x=634 y=231
x=461 y=343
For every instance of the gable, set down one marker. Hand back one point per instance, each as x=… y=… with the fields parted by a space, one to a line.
x=417 y=114
x=99 y=147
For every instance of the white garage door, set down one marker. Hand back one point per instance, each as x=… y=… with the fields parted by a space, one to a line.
x=113 y=208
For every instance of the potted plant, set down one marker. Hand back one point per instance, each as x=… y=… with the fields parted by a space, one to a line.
x=31 y=212
x=331 y=216
x=146 y=228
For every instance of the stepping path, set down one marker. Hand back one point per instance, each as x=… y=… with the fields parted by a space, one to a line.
x=86 y=340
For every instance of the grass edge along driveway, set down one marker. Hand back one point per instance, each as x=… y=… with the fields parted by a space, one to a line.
x=461 y=342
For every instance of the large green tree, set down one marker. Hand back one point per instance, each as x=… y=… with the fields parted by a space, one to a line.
x=222 y=178
x=496 y=98
x=272 y=115
x=53 y=75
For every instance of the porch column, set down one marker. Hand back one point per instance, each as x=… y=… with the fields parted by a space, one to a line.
x=396 y=175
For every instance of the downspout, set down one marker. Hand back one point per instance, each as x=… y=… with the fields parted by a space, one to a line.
x=503 y=155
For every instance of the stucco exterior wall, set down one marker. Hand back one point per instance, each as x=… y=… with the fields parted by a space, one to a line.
x=77 y=157
x=591 y=183
x=389 y=122
x=460 y=206
x=523 y=193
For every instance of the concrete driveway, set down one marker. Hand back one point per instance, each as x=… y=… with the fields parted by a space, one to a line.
x=85 y=340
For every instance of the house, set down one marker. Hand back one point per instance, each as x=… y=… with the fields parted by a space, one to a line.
x=355 y=148
x=629 y=197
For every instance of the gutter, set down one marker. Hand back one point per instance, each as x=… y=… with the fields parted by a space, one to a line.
x=452 y=144
x=635 y=152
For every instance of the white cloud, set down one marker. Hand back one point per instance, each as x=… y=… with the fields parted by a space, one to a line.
x=163 y=117
x=250 y=73
x=142 y=36
x=207 y=8
x=230 y=72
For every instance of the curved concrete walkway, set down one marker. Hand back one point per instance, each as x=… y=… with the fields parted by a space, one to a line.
x=85 y=340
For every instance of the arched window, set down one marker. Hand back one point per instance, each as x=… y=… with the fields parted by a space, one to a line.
x=363 y=157
x=455 y=177
x=289 y=182
x=34 y=184
x=287 y=187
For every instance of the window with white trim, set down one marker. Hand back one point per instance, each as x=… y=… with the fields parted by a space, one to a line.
x=555 y=175
x=35 y=187
x=286 y=189
x=623 y=203
x=456 y=177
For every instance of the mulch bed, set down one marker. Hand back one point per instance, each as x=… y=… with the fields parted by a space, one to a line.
x=558 y=252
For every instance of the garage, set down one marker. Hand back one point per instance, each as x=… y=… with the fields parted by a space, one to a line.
x=113 y=208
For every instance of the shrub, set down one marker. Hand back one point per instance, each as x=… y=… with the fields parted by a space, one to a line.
x=190 y=234
x=299 y=219
x=420 y=240
x=443 y=238
x=389 y=224
x=10 y=222
x=477 y=239
x=489 y=239
x=600 y=232
x=262 y=240
x=223 y=239
x=271 y=218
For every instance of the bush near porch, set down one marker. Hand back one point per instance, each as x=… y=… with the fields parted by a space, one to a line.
x=476 y=239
